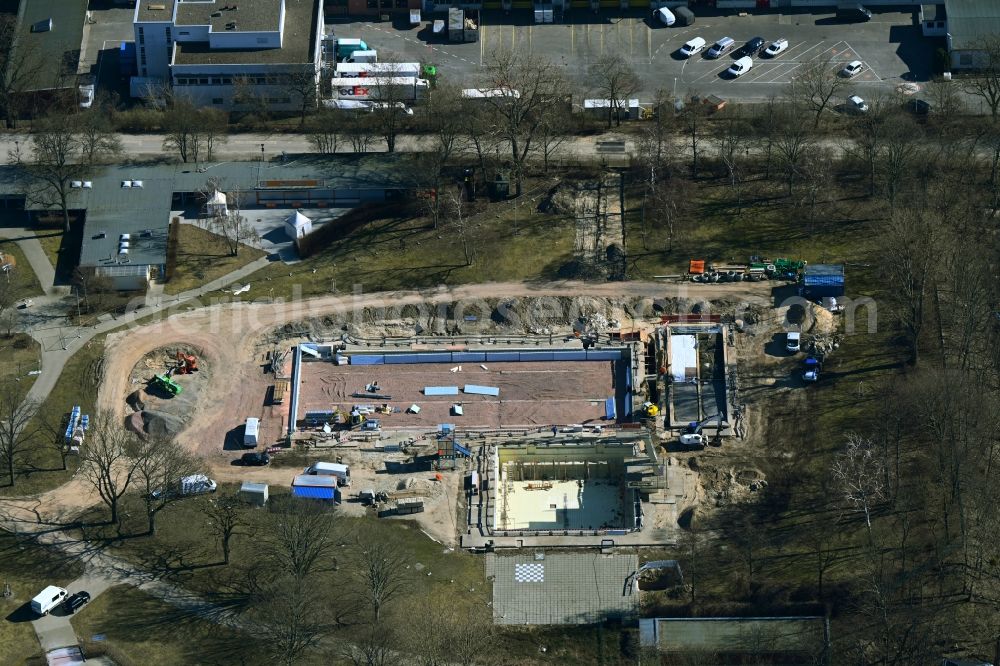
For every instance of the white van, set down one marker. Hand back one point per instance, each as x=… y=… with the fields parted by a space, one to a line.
x=721 y=47
x=666 y=16
x=250 y=432
x=692 y=46
x=48 y=599
x=342 y=472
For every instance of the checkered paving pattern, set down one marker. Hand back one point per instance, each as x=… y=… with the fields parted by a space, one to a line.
x=561 y=588
x=529 y=573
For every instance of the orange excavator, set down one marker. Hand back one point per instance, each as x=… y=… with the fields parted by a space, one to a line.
x=186 y=364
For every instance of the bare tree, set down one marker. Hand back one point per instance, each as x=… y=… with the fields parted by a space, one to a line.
x=107 y=462
x=191 y=132
x=98 y=140
x=160 y=464
x=859 y=472
x=792 y=141
x=54 y=164
x=653 y=149
x=300 y=538
x=302 y=88
x=16 y=437
x=231 y=224
x=912 y=248
x=733 y=140
x=984 y=83
x=445 y=113
x=692 y=117
x=384 y=573
x=814 y=85
x=290 y=620
x=323 y=131
x=454 y=202
x=359 y=127
x=536 y=87
x=227 y=518
x=867 y=131
x=21 y=62
x=900 y=146
x=391 y=98
x=614 y=79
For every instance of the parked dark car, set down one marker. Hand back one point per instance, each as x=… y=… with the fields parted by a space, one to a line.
x=76 y=602
x=918 y=107
x=751 y=48
x=255 y=459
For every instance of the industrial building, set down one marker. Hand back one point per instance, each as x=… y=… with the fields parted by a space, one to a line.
x=229 y=54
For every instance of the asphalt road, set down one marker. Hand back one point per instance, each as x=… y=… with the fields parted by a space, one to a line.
x=890 y=45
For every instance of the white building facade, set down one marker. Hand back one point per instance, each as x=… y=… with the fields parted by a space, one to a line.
x=230 y=54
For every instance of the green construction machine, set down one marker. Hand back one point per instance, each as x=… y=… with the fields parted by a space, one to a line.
x=165 y=384
x=780 y=267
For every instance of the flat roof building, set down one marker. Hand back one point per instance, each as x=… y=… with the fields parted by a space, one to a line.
x=229 y=54
x=49 y=42
x=970 y=23
x=128 y=206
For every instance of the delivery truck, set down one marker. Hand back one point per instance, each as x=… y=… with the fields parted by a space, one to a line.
x=376 y=88
x=348 y=70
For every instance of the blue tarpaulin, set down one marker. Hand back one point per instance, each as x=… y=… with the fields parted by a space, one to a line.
x=610 y=412
x=313 y=492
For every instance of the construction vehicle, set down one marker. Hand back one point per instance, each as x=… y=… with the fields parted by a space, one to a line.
x=186 y=364
x=649 y=410
x=692 y=436
x=165 y=384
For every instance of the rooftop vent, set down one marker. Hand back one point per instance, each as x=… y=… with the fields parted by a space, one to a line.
x=216 y=14
x=136 y=183
x=100 y=234
x=124 y=237
x=42 y=26
x=126 y=183
x=156 y=6
x=76 y=184
x=146 y=233
x=88 y=185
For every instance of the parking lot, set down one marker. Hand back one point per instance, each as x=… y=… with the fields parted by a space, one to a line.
x=890 y=45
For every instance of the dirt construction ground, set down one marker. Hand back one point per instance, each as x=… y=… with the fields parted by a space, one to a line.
x=229 y=337
x=530 y=393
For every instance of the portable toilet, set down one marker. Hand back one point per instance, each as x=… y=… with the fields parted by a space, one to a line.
x=254 y=493
x=250 y=432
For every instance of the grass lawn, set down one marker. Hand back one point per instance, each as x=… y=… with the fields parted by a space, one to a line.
x=717 y=229
x=406 y=253
x=77 y=385
x=202 y=257
x=19 y=355
x=24 y=280
x=27 y=568
x=134 y=628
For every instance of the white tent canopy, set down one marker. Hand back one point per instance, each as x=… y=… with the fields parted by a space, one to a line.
x=217 y=204
x=297 y=225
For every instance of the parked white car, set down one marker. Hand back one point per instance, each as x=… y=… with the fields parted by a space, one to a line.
x=740 y=67
x=793 y=341
x=692 y=46
x=852 y=69
x=665 y=16
x=856 y=104
x=776 y=47
x=47 y=599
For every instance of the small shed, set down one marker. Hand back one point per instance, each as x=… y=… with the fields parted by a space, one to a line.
x=297 y=225
x=254 y=493
x=217 y=204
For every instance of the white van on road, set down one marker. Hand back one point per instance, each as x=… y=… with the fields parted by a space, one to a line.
x=48 y=599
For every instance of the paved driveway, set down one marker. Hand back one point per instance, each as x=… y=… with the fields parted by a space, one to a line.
x=890 y=45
